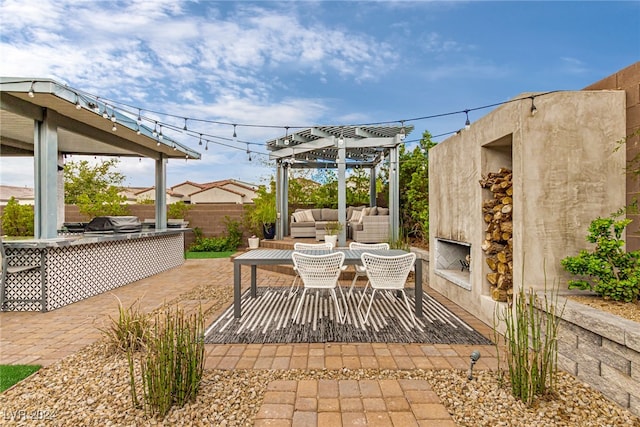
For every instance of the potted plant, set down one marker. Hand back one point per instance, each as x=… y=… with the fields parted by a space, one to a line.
x=332 y=228
x=254 y=242
x=264 y=214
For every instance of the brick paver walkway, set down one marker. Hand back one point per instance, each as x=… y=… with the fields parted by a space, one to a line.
x=43 y=338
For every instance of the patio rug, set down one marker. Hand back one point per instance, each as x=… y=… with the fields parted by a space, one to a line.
x=268 y=319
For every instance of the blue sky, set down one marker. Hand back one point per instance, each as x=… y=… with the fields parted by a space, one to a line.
x=306 y=63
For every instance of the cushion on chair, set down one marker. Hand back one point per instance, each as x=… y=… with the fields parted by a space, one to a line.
x=299 y=216
x=383 y=211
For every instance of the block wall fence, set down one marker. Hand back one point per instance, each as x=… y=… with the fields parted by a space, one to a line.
x=210 y=218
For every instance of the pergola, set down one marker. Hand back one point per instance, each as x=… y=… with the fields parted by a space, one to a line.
x=341 y=148
x=46 y=119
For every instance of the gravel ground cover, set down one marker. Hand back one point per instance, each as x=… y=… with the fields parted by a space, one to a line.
x=90 y=388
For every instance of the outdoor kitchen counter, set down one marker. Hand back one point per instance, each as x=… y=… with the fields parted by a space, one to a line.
x=80 y=266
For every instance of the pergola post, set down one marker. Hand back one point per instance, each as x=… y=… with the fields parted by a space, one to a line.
x=161 y=193
x=45 y=137
x=372 y=187
x=394 y=193
x=342 y=191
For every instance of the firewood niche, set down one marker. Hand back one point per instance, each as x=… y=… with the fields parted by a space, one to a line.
x=498 y=241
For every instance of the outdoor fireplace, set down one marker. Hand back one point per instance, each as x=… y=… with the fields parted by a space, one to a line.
x=453 y=262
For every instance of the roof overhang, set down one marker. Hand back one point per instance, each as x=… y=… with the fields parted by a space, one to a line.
x=318 y=147
x=81 y=127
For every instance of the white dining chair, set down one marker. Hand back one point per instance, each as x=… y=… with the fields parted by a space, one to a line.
x=320 y=272
x=300 y=246
x=387 y=273
x=360 y=271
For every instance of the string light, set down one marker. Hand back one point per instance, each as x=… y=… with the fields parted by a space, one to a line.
x=138 y=129
x=160 y=135
x=155 y=130
x=31 y=93
x=534 y=110
x=114 y=128
x=206 y=146
x=200 y=142
x=288 y=139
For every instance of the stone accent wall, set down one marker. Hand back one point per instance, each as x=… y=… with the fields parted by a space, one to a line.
x=603 y=351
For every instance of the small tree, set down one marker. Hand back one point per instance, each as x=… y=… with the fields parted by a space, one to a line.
x=95 y=189
x=414 y=181
x=614 y=273
x=17 y=219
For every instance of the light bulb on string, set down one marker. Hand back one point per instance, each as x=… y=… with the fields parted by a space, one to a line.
x=286 y=135
x=139 y=116
x=31 y=93
x=158 y=144
x=403 y=132
x=114 y=128
x=155 y=130
x=235 y=135
x=200 y=141
x=185 y=124
x=534 y=110
x=467 y=123
x=113 y=114
x=78 y=105
x=138 y=129
x=105 y=113
x=175 y=147
x=160 y=135
x=206 y=145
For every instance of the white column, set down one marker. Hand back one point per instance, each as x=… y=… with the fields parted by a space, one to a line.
x=45 y=138
x=161 y=193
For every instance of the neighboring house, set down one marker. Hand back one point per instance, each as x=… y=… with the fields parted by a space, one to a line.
x=187 y=188
x=24 y=195
x=130 y=194
x=223 y=191
x=150 y=194
x=218 y=194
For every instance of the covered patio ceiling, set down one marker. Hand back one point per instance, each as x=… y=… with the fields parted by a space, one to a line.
x=46 y=120
x=82 y=131
x=339 y=147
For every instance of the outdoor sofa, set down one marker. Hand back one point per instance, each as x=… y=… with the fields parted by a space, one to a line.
x=366 y=225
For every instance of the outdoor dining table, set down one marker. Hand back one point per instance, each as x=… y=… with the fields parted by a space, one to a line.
x=258 y=257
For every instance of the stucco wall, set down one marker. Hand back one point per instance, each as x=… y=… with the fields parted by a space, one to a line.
x=566 y=172
x=628 y=79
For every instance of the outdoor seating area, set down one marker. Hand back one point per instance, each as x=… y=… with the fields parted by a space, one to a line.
x=364 y=224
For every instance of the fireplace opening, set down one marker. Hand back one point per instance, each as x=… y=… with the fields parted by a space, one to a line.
x=453 y=262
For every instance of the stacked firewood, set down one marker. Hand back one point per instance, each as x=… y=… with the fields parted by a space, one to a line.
x=498 y=241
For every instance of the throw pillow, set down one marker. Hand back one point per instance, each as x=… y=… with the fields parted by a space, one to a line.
x=308 y=215
x=355 y=216
x=299 y=216
x=373 y=211
x=365 y=212
x=383 y=211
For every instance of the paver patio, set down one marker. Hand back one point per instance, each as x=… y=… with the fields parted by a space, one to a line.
x=44 y=338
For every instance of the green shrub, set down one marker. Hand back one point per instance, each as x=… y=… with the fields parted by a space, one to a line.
x=227 y=243
x=173 y=365
x=17 y=219
x=614 y=273
x=178 y=210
